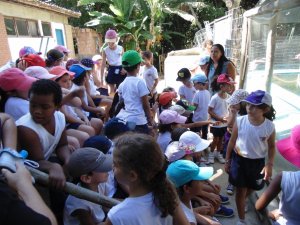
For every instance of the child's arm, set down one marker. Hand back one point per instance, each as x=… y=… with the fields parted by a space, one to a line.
x=9 y=131
x=267 y=170
x=62 y=150
x=196 y=124
x=69 y=118
x=72 y=98
x=179 y=217
x=214 y=115
x=270 y=193
x=231 y=117
x=230 y=147
x=29 y=140
x=21 y=182
x=154 y=86
x=146 y=108
x=102 y=67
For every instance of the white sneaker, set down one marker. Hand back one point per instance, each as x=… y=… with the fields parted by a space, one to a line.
x=211 y=158
x=220 y=158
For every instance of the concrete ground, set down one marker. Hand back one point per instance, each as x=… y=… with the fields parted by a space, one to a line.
x=251 y=216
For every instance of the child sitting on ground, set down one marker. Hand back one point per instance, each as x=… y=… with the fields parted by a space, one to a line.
x=187 y=178
x=89 y=110
x=90 y=167
x=140 y=165
x=42 y=133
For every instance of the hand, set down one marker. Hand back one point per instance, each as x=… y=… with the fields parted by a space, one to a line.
x=22 y=65
x=215 y=199
x=123 y=72
x=71 y=148
x=203 y=210
x=227 y=167
x=275 y=214
x=224 y=120
x=79 y=92
x=57 y=177
x=86 y=121
x=267 y=170
x=19 y=179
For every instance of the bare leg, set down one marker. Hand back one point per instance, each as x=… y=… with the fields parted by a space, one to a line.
x=73 y=142
x=107 y=104
x=79 y=135
x=88 y=129
x=97 y=124
x=111 y=89
x=240 y=200
x=214 y=143
x=220 y=144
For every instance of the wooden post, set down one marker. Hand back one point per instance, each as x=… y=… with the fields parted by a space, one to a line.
x=77 y=191
x=244 y=51
x=270 y=51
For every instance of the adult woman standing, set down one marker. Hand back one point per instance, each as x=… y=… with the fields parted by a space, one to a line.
x=217 y=65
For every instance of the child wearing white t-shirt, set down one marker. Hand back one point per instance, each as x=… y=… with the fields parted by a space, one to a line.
x=218 y=110
x=187 y=90
x=90 y=166
x=150 y=75
x=139 y=164
x=201 y=101
x=134 y=92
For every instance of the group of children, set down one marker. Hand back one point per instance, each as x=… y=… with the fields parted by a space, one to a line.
x=59 y=119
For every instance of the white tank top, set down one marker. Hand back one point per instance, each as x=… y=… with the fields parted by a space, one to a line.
x=290 y=199
x=47 y=140
x=114 y=57
x=252 y=141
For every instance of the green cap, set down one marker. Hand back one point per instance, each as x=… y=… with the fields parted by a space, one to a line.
x=131 y=58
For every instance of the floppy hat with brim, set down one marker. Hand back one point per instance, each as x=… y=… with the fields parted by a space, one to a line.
x=289 y=147
x=86 y=160
x=169 y=116
x=237 y=97
x=38 y=72
x=191 y=142
x=173 y=153
x=131 y=58
x=181 y=172
x=59 y=71
x=15 y=79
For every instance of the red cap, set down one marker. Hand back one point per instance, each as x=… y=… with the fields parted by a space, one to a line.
x=59 y=71
x=166 y=97
x=15 y=79
x=34 y=60
x=224 y=78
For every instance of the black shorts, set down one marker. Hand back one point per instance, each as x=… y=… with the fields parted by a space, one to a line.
x=114 y=75
x=245 y=172
x=97 y=101
x=73 y=126
x=218 y=131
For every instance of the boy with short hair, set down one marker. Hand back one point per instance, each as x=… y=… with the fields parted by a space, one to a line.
x=187 y=90
x=201 y=102
x=42 y=132
x=90 y=166
x=134 y=92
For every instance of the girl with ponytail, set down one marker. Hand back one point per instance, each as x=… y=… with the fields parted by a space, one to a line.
x=139 y=164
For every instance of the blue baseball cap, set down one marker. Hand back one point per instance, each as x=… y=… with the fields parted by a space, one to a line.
x=78 y=69
x=116 y=126
x=181 y=172
x=259 y=97
x=99 y=142
x=199 y=78
x=203 y=60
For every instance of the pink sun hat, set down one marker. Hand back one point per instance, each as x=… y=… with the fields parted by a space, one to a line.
x=111 y=36
x=289 y=147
